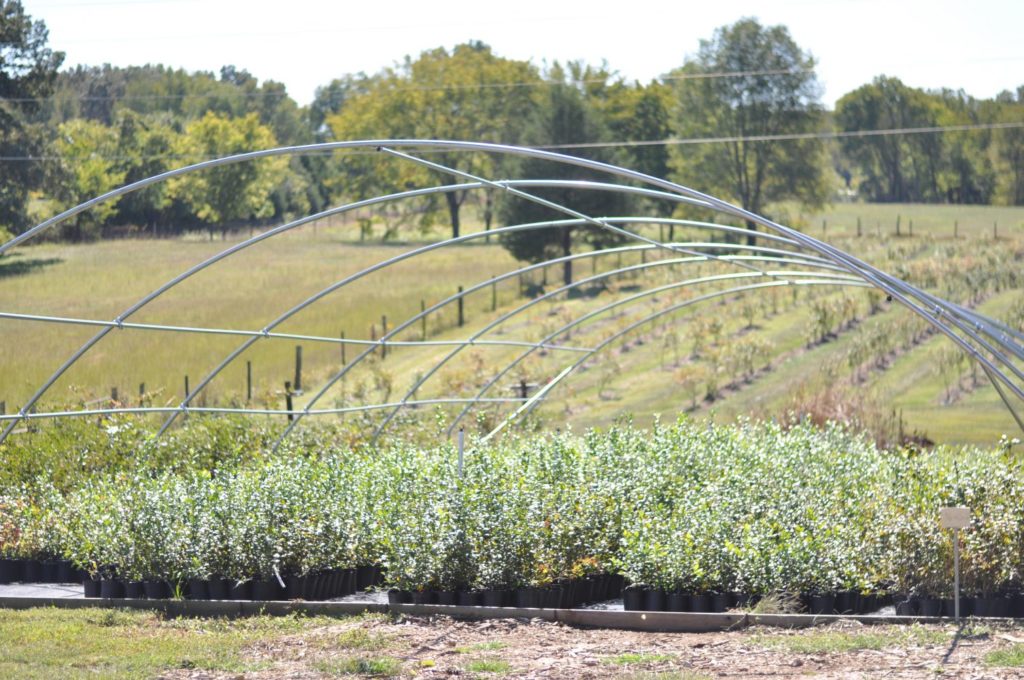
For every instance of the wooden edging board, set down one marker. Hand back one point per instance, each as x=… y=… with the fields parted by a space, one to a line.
x=689 y=622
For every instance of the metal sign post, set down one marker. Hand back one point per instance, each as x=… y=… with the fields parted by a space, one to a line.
x=462 y=444
x=955 y=519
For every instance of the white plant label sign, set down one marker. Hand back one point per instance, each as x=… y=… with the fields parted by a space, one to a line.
x=955 y=518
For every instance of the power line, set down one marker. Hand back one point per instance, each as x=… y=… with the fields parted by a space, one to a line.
x=841 y=134
x=414 y=88
x=624 y=144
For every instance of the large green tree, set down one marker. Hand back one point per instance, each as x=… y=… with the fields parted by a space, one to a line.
x=891 y=167
x=771 y=90
x=28 y=68
x=229 y=193
x=1009 y=143
x=89 y=167
x=566 y=116
x=466 y=94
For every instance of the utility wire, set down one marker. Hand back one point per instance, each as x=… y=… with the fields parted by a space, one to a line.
x=846 y=134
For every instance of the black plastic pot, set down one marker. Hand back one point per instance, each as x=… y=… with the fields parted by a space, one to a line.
x=364 y=576
x=1017 y=606
x=65 y=572
x=991 y=606
x=424 y=597
x=930 y=606
x=720 y=602
x=197 y=589
x=31 y=571
x=396 y=596
x=293 y=586
x=654 y=600
x=526 y=598
x=156 y=590
x=133 y=590
x=218 y=588
x=91 y=587
x=111 y=588
x=241 y=591
x=822 y=604
x=447 y=597
x=309 y=586
x=268 y=590
x=906 y=607
x=700 y=602
x=633 y=599
x=469 y=598
x=677 y=602
x=846 y=602
x=10 y=570
x=495 y=598
x=48 y=572
x=599 y=591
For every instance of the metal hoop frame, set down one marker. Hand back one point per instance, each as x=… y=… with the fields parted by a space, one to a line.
x=993 y=344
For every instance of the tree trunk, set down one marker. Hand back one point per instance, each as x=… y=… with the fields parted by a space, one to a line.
x=453 y=211
x=488 y=212
x=751 y=238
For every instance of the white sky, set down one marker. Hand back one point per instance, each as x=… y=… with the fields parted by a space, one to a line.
x=976 y=46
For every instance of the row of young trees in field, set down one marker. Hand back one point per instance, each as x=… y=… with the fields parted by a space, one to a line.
x=70 y=135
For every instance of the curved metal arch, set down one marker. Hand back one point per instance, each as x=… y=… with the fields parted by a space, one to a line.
x=508 y=315
x=837 y=281
x=925 y=305
x=227 y=252
x=898 y=290
x=385 y=339
x=533 y=401
x=414 y=253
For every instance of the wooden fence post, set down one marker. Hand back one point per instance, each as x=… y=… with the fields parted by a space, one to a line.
x=248 y=381
x=462 y=310
x=288 y=400
x=383 y=332
x=298 y=368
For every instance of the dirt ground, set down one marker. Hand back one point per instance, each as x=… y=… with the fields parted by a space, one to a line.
x=434 y=647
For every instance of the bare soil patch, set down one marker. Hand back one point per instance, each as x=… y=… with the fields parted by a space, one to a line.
x=435 y=647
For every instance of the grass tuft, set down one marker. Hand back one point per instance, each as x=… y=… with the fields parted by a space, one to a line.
x=1008 y=657
x=382 y=667
x=835 y=642
x=488 y=666
x=631 y=659
x=481 y=647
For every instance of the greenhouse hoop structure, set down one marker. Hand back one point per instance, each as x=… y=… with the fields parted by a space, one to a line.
x=783 y=257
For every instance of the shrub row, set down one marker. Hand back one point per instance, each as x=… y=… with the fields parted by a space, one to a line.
x=752 y=509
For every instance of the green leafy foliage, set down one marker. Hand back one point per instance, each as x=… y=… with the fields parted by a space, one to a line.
x=754 y=508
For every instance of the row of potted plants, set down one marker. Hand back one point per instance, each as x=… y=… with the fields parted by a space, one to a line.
x=320 y=585
x=567 y=594
x=687 y=509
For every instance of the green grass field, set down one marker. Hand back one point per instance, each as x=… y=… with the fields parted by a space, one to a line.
x=250 y=289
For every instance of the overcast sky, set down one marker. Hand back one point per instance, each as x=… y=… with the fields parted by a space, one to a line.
x=976 y=46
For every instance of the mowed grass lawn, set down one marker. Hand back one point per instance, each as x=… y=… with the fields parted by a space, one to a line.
x=252 y=288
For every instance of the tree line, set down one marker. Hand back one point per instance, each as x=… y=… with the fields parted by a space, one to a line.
x=69 y=135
